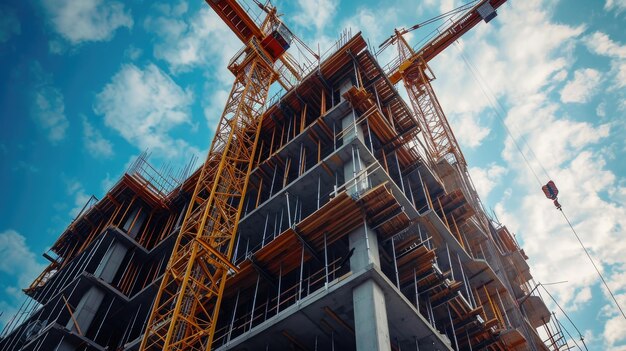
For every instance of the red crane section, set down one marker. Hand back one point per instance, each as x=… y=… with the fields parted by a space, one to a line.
x=459 y=28
x=236 y=18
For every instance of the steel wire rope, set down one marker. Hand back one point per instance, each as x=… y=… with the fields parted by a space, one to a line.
x=491 y=97
x=497 y=113
x=606 y=285
x=475 y=75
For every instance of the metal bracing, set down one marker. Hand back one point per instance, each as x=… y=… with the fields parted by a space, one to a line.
x=187 y=304
x=440 y=140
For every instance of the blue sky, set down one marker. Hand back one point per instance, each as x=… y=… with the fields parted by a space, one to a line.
x=88 y=85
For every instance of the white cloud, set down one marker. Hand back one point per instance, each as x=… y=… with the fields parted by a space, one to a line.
x=560 y=76
x=582 y=87
x=620 y=76
x=617 y=5
x=213 y=111
x=469 y=131
x=107 y=183
x=25 y=166
x=9 y=23
x=49 y=112
x=133 y=52
x=315 y=13
x=600 y=44
x=376 y=24
x=75 y=189
x=440 y=6
x=582 y=297
x=14 y=254
x=95 y=143
x=57 y=47
x=48 y=107
x=485 y=179
x=199 y=40
x=144 y=106
x=601 y=109
x=19 y=266
x=615 y=328
x=87 y=20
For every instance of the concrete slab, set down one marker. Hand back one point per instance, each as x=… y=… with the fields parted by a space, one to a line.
x=303 y=320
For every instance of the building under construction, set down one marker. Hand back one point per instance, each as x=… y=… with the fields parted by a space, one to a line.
x=336 y=216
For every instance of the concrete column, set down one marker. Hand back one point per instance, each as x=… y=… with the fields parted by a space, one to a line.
x=111 y=261
x=370 y=318
x=370 y=310
x=348 y=122
x=365 y=244
x=352 y=167
x=86 y=310
x=343 y=87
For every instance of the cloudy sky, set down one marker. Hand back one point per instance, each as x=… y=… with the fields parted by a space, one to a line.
x=88 y=85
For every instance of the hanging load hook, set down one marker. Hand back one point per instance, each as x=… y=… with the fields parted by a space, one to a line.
x=552 y=192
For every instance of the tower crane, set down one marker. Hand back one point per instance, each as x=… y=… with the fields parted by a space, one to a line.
x=412 y=68
x=187 y=304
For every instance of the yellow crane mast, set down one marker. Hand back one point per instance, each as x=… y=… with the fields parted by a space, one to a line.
x=188 y=301
x=411 y=67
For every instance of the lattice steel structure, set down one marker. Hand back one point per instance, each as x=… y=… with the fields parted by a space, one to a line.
x=188 y=301
x=412 y=68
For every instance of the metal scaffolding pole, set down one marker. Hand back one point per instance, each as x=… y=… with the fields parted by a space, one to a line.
x=232 y=320
x=395 y=262
x=256 y=289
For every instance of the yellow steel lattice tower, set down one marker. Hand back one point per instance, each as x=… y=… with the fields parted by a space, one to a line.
x=188 y=301
x=412 y=68
x=417 y=76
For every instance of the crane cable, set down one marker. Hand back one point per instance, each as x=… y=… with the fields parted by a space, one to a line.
x=593 y=263
x=483 y=86
x=476 y=75
x=389 y=41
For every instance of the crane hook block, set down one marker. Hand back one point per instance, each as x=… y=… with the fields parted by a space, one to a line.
x=550 y=190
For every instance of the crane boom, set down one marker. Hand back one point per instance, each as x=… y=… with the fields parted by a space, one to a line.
x=186 y=307
x=236 y=18
x=459 y=28
x=484 y=10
